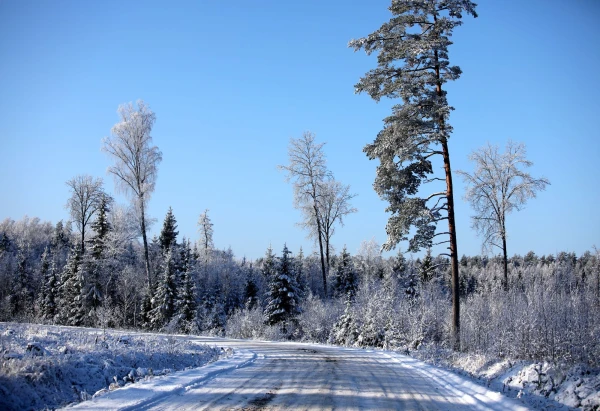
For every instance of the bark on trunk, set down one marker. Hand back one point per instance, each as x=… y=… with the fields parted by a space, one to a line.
x=453 y=248
x=451 y=222
x=319 y=232
x=82 y=238
x=505 y=281
x=145 y=240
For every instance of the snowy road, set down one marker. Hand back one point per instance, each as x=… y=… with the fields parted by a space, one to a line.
x=284 y=376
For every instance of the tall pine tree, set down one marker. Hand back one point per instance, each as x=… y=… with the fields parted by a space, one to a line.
x=413 y=65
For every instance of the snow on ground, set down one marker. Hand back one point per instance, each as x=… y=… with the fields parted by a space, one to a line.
x=541 y=385
x=285 y=376
x=45 y=366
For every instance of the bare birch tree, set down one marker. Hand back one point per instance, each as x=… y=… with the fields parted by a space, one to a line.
x=86 y=195
x=308 y=171
x=334 y=205
x=135 y=160
x=498 y=186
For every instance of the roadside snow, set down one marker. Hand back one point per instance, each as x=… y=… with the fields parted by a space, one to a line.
x=43 y=367
x=541 y=385
x=147 y=392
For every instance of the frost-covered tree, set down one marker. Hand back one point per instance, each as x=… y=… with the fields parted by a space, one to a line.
x=165 y=297
x=499 y=185
x=344 y=331
x=345 y=280
x=70 y=308
x=49 y=290
x=205 y=229
x=333 y=200
x=187 y=292
x=86 y=196
x=268 y=269
x=136 y=161
x=101 y=227
x=21 y=296
x=282 y=304
x=168 y=234
x=426 y=268
x=307 y=169
x=413 y=65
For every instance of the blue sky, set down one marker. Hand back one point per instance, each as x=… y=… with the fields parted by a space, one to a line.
x=232 y=82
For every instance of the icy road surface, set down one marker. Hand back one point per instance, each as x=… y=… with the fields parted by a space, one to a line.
x=294 y=376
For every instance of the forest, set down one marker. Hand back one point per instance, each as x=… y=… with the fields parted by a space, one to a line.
x=550 y=311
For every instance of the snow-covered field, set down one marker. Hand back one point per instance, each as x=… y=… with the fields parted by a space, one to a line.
x=46 y=367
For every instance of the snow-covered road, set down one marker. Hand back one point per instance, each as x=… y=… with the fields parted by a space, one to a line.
x=284 y=376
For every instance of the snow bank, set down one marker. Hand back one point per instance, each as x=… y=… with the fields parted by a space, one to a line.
x=134 y=396
x=46 y=366
x=539 y=384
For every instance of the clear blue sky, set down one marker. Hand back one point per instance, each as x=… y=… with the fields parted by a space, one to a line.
x=231 y=82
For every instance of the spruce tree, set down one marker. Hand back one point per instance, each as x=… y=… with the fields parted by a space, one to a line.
x=413 y=65
x=282 y=305
x=168 y=234
x=345 y=282
x=344 y=331
x=268 y=266
x=187 y=291
x=163 y=302
x=426 y=268
x=21 y=297
x=70 y=307
x=47 y=302
x=102 y=227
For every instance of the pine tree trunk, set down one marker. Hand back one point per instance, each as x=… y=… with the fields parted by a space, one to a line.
x=451 y=223
x=145 y=240
x=453 y=248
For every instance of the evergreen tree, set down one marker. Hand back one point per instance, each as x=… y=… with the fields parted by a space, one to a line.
x=187 y=292
x=413 y=65
x=70 y=308
x=47 y=302
x=101 y=226
x=21 y=297
x=60 y=239
x=300 y=276
x=168 y=234
x=282 y=305
x=250 y=293
x=163 y=302
x=426 y=268
x=50 y=293
x=405 y=276
x=345 y=282
x=344 y=331
x=268 y=266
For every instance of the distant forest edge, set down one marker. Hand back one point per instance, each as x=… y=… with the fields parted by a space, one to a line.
x=550 y=309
